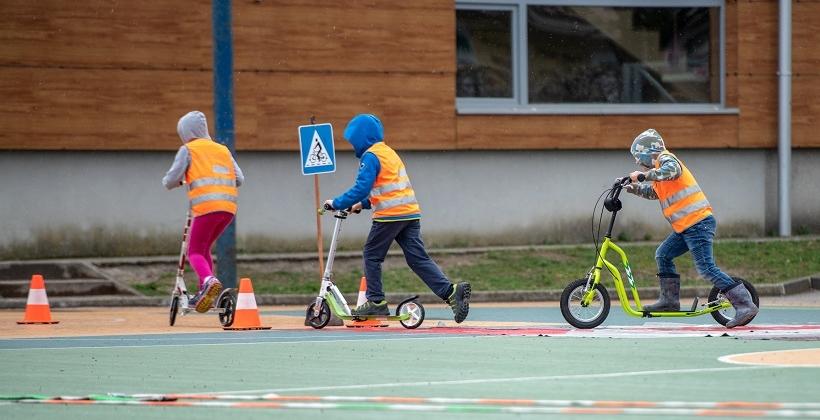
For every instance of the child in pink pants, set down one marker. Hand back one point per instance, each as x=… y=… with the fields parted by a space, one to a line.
x=213 y=178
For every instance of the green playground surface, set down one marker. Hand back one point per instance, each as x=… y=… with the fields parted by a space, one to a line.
x=394 y=373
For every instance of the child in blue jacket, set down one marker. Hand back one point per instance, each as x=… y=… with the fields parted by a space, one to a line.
x=384 y=186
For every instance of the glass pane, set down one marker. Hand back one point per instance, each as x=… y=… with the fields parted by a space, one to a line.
x=623 y=54
x=484 y=54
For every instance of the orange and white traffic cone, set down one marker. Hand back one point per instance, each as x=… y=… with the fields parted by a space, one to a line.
x=360 y=301
x=246 y=314
x=37 y=309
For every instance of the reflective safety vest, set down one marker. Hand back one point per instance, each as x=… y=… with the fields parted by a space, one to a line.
x=682 y=201
x=392 y=197
x=211 y=178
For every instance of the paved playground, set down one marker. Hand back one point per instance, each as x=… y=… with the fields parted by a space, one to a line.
x=506 y=360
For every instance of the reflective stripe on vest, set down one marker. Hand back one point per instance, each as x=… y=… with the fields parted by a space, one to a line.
x=212 y=181
x=392 y=193
x=411 y=199
x=674 y=198
x=680 y=214
x=211 y=178
x=212 y=197
x=390 y=188
x=682 y=201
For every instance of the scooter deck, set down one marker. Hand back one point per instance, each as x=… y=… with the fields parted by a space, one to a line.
x=210 y=311
x=376 y=317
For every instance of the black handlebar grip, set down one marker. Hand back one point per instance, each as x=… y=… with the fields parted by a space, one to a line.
x=641 y=177
x=328 y=207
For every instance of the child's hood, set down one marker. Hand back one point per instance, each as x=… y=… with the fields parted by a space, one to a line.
x=193 y=125
x=363 y=131
x=647 y=146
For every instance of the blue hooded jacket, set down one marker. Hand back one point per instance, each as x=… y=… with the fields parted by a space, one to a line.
x=362 y=132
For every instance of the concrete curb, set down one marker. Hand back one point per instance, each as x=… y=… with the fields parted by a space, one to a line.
x=791 y=287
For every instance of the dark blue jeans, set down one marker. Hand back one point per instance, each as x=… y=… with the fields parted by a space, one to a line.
x=408 y=235
x=696 y=239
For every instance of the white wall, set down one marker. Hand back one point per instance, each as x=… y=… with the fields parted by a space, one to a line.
x=470 y=194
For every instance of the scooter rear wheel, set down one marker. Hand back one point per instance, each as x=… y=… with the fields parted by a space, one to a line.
x=416 y=312
x=723 y=316
x=226 y=302
x=172 y=318
x=322 y=319
x=578 y=315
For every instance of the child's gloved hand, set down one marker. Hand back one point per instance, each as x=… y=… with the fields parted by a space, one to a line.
x=634 y=176
x=328 y=205
x=356 y=208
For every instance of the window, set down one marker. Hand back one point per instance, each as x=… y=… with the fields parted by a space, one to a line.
x=484 y=54
x=580 y=56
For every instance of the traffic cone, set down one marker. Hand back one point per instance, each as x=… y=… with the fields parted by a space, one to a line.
x=360 y=301
x=37 y=309
x=246 y=315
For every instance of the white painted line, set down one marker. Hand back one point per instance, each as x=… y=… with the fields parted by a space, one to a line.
x=497 y=380
x=729 y=358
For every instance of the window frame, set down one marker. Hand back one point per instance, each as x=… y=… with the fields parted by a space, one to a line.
x=519 y=104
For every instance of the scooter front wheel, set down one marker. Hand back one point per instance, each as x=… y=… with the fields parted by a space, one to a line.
x=723 y=316
x=416 y=312
x=321 y=320
x=172 y=318
x=584 y=316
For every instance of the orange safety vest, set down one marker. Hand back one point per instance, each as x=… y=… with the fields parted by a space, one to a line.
x=211 y=178
x=682 y=201
x=392 y=197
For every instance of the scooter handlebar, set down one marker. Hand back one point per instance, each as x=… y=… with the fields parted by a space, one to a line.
x=328 y=207
x=626 y=180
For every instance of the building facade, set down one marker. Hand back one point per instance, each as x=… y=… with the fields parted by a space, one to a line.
x=513 y=115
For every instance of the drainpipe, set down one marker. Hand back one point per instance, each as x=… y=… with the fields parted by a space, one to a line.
x=784 y=118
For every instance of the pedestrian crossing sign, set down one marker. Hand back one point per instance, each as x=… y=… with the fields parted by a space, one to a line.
x=317 y=149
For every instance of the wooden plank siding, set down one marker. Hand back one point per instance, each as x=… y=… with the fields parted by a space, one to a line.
x=112 y=75
x=593 y=132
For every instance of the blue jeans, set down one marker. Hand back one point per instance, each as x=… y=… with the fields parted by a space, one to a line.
x=698 y=240
x=408 y=235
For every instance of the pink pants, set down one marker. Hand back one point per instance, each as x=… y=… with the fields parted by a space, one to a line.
x=204 y=231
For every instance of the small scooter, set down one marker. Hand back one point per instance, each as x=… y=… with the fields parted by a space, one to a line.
x=225 y=303
x=410 y=313
x=585 y=302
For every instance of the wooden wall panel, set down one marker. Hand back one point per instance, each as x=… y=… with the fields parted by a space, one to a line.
x=106 y=33
x=97 y=109
x=731 y=53
x=112 y=75
x=757 y=37
x=806 y=38
x=416 y=109
x=806 y=111
x=354 y=36
x=137 y=110
x=758 y=111
x=593 y=132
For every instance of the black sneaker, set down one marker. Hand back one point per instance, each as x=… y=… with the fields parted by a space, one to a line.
x=204 y=299
x=371 y=308
x=459 y=301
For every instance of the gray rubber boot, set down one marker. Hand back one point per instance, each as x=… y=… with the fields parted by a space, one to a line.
x=741 y=300
x=669 y=300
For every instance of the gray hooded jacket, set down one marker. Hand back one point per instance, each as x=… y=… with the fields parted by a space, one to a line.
x=192 y=125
